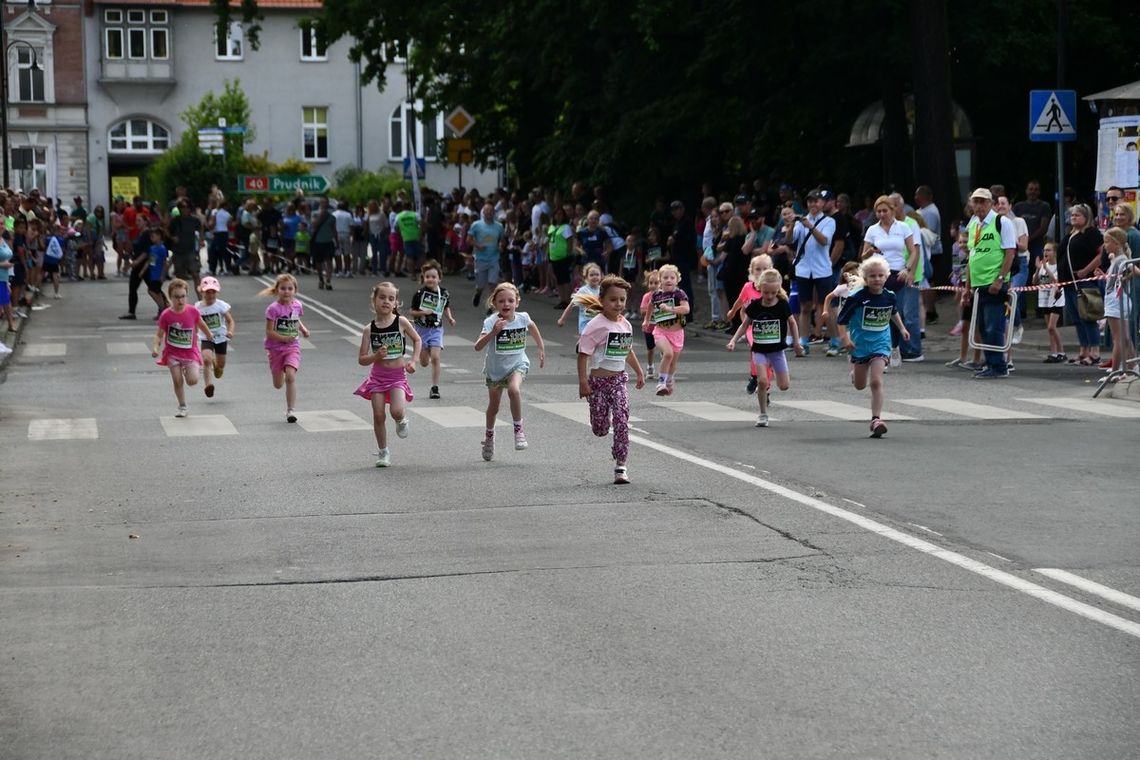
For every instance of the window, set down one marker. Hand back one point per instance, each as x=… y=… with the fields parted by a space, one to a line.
x=132 y=36
x=312 y=49
x=159 y=44
x=136 y=17
x=113 y=16
x=138 y=136
x=136 y=42
x=229 y=48
x=29 y=167
x=427 y=134
x=159 y=18
x=30 y=68
x=315 y=133
x=113 y=37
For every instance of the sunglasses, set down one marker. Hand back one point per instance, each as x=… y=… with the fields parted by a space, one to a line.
x=1113 y=199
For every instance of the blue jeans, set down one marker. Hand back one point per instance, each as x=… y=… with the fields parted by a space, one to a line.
x=1088 y=333
x=909 y=306
x=1019 y=280
x=992 y=323
x=379 y=245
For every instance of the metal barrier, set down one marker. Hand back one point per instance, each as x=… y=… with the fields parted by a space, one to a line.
x=1126 y=337
x=1009 y=326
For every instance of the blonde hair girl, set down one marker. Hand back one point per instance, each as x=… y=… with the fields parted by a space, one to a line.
x=177 y=336
x=669 y=305
x=283 y=332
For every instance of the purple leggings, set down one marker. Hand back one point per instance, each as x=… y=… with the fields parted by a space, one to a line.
x=610 y=397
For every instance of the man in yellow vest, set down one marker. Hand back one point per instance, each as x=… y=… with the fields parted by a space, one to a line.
x=992 y=240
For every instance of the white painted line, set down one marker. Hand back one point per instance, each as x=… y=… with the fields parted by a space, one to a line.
x=925 y=529
x=707 y=410
x=82 y=428
x=551 y=343
x=305 y=343
x=454 y=416
x=459 y=371
x=861 y=506
x=72 y=337
x=839 y=410
x=1092 y=587
x=330 y=420
x=1003 y=559
x=195 y=425
x=1092 y=406
x=575 y=411
x=954 y=558
x=353 y=340
x=968 y=409
x=46 y=349
x=128 y=349
x=454 y=341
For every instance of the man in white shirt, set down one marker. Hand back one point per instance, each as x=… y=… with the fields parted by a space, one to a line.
x=811 y=238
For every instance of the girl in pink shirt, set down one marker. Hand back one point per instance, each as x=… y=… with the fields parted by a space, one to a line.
x=283 y=331
x=652 y=282
x=177 y=337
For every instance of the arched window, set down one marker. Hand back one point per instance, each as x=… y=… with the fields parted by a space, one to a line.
x=138 y=136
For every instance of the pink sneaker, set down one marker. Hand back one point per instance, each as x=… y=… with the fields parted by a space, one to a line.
x=956 y=330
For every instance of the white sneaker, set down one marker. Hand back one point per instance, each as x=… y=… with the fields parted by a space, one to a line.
x=1018 y=334
x=650 y=372
x=761 y=420
x=402 y=428
x=290 y=416
x=915 y=359
x=4 y=349
x=383 y=458
x=896 y=358
x=57 y=296
x=520 y=440
x=182 y=412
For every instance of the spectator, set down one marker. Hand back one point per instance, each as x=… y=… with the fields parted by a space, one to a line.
x=1078 y=256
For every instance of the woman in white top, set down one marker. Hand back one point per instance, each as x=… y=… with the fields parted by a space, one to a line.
x=892 y=239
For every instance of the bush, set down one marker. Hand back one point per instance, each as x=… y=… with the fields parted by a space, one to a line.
x=363 y=186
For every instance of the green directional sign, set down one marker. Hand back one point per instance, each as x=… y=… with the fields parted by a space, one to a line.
x=282 y=184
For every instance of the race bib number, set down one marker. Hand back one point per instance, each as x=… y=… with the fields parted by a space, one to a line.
x=618 y=345
x=287 y=327
x=659 y=315
x=179 y=337
x=213 y=321
x=766 y=332
x=432 y=302
x=629 y=261
x=876 y=318
x=511 y=341
x=653 y=254
x=390 y=344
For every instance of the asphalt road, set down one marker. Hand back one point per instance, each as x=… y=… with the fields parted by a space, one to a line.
x=798 y=591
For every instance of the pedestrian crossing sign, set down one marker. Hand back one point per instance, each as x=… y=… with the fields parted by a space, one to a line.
x=1052 y=115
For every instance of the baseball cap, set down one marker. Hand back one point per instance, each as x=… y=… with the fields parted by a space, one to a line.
x=210 y=283
x=741 y=198
x=676 y=204
x=982 y=193
x=814 y=195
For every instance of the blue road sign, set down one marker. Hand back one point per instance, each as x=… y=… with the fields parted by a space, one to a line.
x=1052 y=115
x=421 y=168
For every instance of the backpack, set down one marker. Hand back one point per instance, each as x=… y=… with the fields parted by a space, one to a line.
x=53 y=252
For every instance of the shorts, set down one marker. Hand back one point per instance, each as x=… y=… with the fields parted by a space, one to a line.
x=563 y=271
x=323 y=251
x=486 y=273
x=5 y=294
x=413 y=250
x=51 y=267
x=343 y=244
x=176 y=361
x=629 y=275
x=431 y=337
x=186 y=265
x=502 y=382
x=1113 y=306
x=288 y=245
x=814 y=289
x=154 y=286
x=1058 y=310
x=884 y=358
x=675 y=338
x=219 y=349
x=776 y=360
x=280 y=358
x=650 y=343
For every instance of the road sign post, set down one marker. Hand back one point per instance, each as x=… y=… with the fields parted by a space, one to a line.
x=1053 y=118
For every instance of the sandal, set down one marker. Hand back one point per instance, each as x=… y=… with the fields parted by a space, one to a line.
x=621 y=476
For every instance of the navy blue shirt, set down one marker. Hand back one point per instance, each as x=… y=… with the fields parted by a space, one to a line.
x=868 y=319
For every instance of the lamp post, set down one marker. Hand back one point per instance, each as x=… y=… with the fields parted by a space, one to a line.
x=4 y=86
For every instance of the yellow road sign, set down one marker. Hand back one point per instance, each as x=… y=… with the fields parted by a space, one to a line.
x=459 y=150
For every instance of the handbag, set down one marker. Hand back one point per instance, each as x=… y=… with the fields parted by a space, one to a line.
x=1090 y=301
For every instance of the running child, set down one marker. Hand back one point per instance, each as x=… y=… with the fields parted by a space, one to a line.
x=593 y=275
x=652 y=283
x=759 y=264
x=848 y=281
x=283 y=331
x=769 y=321
x=604 y=351
x=430 y=305
x=867 y=315
x=1050 y=302
x=178 y=341
x=506 y=363
x=669 y=304
x=217 y=316
x=382 y=346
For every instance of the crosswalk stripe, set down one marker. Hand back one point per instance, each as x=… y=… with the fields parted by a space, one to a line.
x=127 y=349
x=63 y=429
x=197 y=425
x=46 y=349
x=306 y=343
x=575 y=411
x=707 y=410
x=1088 y=405
x=453 y=416
x=968 y=409
x=330 y=420
x=836 y=409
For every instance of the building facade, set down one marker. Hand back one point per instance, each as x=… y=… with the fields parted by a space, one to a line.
x=147 y=61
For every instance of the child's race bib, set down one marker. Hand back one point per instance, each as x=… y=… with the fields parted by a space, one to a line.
x=876 y=318
x=618 y=345
x=511 y=341
x=766 y=332
x=178 y=336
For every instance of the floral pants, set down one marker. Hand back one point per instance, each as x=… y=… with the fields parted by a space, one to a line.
x=610 y=399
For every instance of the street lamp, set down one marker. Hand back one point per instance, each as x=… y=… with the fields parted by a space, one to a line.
x=4 y=86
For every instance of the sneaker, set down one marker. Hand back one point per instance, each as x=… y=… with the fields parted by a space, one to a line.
x=896 y=358
x=21 y=314
x=402 y=428
x=57 y=296
x=816 y=340
x=4 y=349
x=321 y=283
x=954 y=363
x=218 y=372
x=650 y=372
x=209 y=389
x=383 y=458
x=806 y=347
x=1009 y=367
x=832 y=350
x=488 y=448
x=434 y=392
x=914 y=359
x=751 y=387
x=290 y=416
x=878 y=428
x=520 y=440
x=662 y=388
x=475 y=299
x=970 y=366
x=671 y=384
x=761 y=420
x=1018 y=334
x=621 y=475
x=182 y=411
x=128 y=316
x=956 y=330
x=989 y=373
x=328 y=285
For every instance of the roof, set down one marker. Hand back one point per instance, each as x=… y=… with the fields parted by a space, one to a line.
x=1123 y=92
x=263 y=4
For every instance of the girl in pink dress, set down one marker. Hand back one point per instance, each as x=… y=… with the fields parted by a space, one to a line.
x=177 y=337
x=283 y=331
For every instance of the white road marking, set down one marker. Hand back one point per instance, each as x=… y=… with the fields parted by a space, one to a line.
x=1089 y=405
x=330 y=420
x=324 y=310
x=195 y=425
x=1003 y=559
x=454 y=416
x=80 y=428
x=954 y=558
x=1092 y=587
x=861 y=506
x=127 y=349
x=547 y=343
x=575 y=411
x=968 y=409
x=925 y=529
x=839 y=410
x=706 y=410
x=459 y=371
x=46 y=349
x=305 y=343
